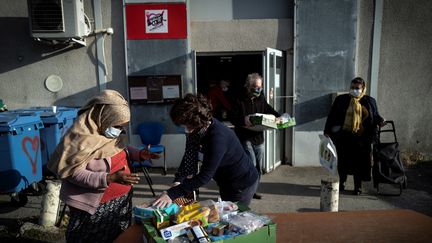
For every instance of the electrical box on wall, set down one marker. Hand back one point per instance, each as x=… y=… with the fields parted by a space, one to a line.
x=58 y=19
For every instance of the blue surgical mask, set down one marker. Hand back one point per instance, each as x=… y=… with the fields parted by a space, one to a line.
x=355 y=92
x=112 y=132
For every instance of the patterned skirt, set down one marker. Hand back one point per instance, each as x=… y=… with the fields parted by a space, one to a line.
x=109 y=221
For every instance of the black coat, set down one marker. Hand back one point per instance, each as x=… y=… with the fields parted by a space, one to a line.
x=336 y=117
x=353 y=150
x=247 y=105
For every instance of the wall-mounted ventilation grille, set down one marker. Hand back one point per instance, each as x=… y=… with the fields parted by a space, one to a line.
x=57 y=19
x=46 y=16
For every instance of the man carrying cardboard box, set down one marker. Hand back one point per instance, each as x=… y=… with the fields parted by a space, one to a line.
x=252 y=101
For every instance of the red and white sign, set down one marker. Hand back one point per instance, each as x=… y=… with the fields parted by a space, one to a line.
x=156 y=21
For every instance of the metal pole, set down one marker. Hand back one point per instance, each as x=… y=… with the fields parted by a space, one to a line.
x=376 y=47
x=101 y=65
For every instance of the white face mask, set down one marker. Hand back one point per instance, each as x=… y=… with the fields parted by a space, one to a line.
x=355 y=92
x=112 y=132
x=225 y=88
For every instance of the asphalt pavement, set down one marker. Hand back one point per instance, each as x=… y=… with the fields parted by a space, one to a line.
x=286 y=189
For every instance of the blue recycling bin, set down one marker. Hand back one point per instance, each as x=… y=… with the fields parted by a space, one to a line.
x=56 y=124
x=20 y=151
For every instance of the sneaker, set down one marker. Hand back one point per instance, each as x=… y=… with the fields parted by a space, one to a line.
x=257 y=196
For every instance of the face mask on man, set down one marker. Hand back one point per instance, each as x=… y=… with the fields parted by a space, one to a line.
x=112 y=132
x=355 y=92
x=225 y=89
x=256 y=91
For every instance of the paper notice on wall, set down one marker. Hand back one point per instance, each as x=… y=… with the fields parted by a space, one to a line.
x=327 y=154
x=138 y=93
x=171 y=91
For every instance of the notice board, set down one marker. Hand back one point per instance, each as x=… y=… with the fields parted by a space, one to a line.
x=154 y=88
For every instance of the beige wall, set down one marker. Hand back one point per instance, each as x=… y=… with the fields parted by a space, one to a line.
x=241 y=35
x=405 y=73
x=25 y=63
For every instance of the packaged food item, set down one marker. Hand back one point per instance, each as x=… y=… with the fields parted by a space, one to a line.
x=198 y=234
x=200 y=214
x=286 y=121
x=171 y=209
x=225 y=207
x=143 y=211
x=261 y=122
x=190 y=198
x=160 y=219
x=218 y=229
x=246 y=222
x=214 y=212
x=177 y=229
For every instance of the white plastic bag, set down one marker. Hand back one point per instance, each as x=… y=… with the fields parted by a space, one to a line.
x=327 y=154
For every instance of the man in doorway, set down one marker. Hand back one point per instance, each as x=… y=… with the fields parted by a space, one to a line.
x=250 y=102
x=219 y=101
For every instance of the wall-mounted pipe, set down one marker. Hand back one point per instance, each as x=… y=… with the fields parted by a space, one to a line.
x=376 y=47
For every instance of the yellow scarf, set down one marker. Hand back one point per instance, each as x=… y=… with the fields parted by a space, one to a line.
x=354 y=114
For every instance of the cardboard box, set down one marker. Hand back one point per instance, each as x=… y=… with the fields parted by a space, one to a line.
x=265 y=234
x=262 y=122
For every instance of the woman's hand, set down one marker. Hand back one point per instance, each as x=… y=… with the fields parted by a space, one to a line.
x=162 y=201
x=123 y=178
x=145 y=154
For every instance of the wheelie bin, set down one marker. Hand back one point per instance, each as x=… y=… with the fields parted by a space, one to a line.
x=20 y=154
x=56 y=121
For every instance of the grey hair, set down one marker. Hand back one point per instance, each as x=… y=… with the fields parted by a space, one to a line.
x=251 y=79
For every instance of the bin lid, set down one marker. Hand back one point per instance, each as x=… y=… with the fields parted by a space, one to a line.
x=10 y=121
x=48 y=116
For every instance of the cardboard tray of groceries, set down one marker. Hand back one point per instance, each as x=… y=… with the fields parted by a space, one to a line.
x=261 y=122
x=267 y=233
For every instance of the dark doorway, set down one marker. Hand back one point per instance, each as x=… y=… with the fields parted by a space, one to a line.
x=211 y=68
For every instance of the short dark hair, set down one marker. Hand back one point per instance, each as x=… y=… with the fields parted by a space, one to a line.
x=358 y=80
x=191 y=110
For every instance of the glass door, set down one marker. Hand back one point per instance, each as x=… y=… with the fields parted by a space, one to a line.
x=272 y=66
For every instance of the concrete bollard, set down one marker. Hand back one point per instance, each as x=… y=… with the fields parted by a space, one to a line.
x=50 y=204
x=329 y=195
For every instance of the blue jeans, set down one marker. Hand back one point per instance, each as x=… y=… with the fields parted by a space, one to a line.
x=256 y=153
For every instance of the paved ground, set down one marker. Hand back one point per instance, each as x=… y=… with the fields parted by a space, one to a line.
x=287 y=189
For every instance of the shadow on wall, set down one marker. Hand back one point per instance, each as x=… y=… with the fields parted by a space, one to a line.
x=78 y=99
x=309 y=113
x=19 y=49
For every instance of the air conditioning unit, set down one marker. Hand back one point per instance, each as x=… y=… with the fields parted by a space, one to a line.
x=57 y=19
